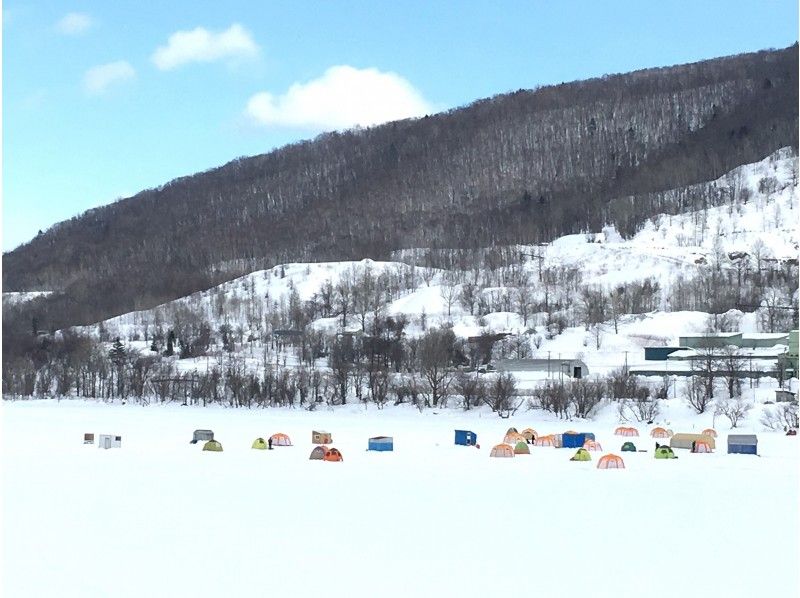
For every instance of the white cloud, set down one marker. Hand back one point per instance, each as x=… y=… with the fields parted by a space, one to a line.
x=75 y=23
x=341 y=98
x=99 y=78
x=202 y=45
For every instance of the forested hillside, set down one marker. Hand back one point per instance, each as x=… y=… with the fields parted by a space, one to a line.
x=522 y=168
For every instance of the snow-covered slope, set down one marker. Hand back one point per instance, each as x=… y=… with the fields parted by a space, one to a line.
x=757 y=225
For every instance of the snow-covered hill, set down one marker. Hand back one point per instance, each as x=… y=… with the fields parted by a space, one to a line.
x=757 y=226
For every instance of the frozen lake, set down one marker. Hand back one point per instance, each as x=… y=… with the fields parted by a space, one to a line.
x=160 y=517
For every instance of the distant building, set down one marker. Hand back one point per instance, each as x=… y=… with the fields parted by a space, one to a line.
x=574 y=368
x=746 y=340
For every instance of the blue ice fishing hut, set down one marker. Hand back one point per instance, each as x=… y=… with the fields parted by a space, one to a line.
x=381 y=443
x=466 y=438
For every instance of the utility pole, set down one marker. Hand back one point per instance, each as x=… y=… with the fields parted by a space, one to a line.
x=625 y=369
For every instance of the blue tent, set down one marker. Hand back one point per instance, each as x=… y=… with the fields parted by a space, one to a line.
x=381 y=443
x=743 y=444
x=575 y=440
x=466 y=438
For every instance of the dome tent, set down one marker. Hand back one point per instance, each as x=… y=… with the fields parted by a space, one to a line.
x=521 y=448
x=610 y=462
x=213 y=445
x=318 y=454
x=333 y=454
x=581 y=455
x=502 y=450
x=664 y=452
x=628 y=447
x=280 y=439
x=260 y=444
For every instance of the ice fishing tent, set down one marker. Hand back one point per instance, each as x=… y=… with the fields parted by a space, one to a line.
x=575 y=439
x=659 y=433
x=381 y=443
x=260 y=444
x=529 y=434
x=107 y=441
x=502 y=450
x=626 y=431
x=511 y=431
x=513 y=438
x=280 y=439
x=701 y=446
x=664 y=452
x=202 y=436
x=742 y=444
x=88 y=438
x=610 y=462
x=321 y=437
x=333 y=454
x=466 y=438
x=521 y=448
x=710 y=432
x=212 y=445
x=581 y=455
x=628 y=447
x=545 y=441
x=318 y=454
x=592 y=445
x=684 y=441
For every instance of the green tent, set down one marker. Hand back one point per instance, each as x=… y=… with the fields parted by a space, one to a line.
x=212 y=445
x=581 y=455
x=522 y=448
x=664 y=452
x=629 y=447
x=260 y=444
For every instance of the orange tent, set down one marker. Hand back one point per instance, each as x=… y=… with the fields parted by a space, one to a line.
x=513 y=438
x=659 y=433
x=545 y=441
x=700 y=446
x=280 y=439
x=591 y=445
x=625 y=431
x=333 y=454
x=570 y=432
x=502 y=450
x=709 y=432
x=530 y=434
x=610 y=462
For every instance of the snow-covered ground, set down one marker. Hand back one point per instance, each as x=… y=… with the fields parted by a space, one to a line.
x=159 y=517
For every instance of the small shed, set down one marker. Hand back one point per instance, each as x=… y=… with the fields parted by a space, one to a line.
x=742 y=444
x=381 y=443
x=107 y=441
x=88 y=438
x=321 y=437
x=202 y=436
x=685 y=441
x=466 y=438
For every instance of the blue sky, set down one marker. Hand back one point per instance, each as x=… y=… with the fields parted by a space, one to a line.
x=104 y=99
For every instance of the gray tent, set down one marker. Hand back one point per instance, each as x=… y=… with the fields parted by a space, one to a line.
x=684 y=441
x=202 y=436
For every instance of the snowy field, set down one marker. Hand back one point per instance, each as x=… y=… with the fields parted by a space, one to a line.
x=159 y=517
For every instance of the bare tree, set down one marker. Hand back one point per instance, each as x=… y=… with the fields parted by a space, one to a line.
x=735 y=409
x=435 y=354
x=501 y=395
x=449 y=293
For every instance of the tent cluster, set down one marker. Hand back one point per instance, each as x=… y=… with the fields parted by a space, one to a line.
x=324 y=453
